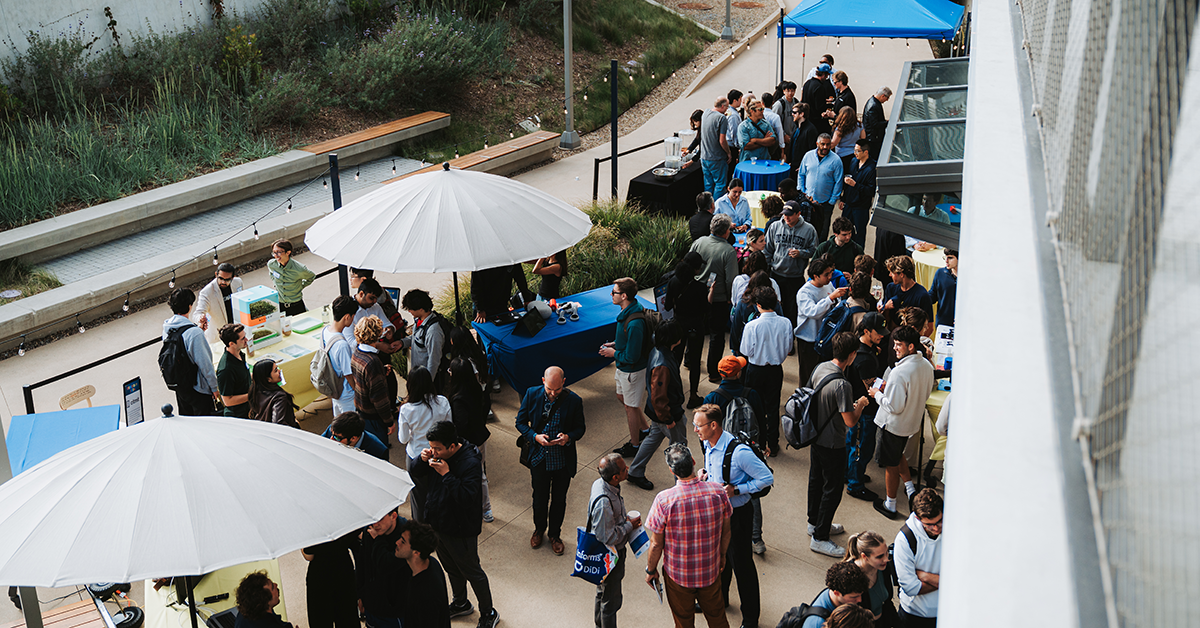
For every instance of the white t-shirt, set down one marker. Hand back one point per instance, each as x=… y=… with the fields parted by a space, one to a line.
x=739 y=287
x=340 y=354
x=415 y=421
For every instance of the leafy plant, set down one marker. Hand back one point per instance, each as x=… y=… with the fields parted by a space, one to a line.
x=288 y=98
x=49 y=76
x=259 y=309
x=289 y=28
x=241 y=59
x=25 y=279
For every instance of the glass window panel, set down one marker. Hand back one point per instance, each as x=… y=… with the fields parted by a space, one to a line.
x=934 y=207
x=934 y=106
x=941 y=74
x=934 y=142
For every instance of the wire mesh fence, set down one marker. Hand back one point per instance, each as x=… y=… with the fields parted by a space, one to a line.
x=1108 y=82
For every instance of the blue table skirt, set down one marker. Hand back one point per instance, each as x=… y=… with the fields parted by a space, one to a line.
x=764 y=175
x=573 y=346
x=33 y=438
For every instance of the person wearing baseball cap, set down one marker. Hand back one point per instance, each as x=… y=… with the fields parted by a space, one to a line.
x=860 y=439
x=790 y=244
x=819 y=93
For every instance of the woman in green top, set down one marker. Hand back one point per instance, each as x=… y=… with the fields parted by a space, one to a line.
x=290 y=278
x=869 y=551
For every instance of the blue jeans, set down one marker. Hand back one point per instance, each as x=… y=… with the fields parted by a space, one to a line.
x=860 y=448
x=715 y=176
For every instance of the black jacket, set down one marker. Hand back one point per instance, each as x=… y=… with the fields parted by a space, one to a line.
x=470 y=417
x=492 y=287
x=844 y=99
x=804 y=140
x=380 y=577
x=453 y=502
x=874 y=124
x=817 y=93
x=860 y=194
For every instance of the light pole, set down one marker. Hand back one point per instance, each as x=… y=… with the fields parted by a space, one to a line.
x=727 y=32
x=570 y=137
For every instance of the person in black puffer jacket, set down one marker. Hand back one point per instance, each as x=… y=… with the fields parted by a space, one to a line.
x=688 y=298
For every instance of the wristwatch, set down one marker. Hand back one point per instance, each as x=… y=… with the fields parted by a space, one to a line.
x=651 y=572
x=736 y=491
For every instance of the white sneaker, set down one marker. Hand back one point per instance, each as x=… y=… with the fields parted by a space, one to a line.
x=828 y=548
x=835 y=528
x=488 y=517
x=759 y=547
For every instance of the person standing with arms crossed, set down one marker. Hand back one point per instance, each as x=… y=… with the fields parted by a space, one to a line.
x=290 y=277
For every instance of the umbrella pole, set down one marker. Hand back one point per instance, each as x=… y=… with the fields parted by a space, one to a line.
x=458 y=319
x=191 y=598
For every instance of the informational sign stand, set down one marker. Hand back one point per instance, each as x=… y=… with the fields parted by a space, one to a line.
x=132 y=393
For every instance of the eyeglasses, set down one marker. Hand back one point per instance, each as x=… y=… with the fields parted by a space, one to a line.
x=278 y=253
x=338 y=437
x=616 y=292
x=934 y=524
x=756 y=109
x=795 y=111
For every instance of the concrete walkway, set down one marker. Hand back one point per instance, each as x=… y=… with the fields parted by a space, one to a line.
x=532 y=587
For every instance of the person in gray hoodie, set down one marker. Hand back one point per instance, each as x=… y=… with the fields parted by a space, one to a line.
x=198 y=399
x=790 y=244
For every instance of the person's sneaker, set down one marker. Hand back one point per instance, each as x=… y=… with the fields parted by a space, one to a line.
x=834 y=528
x=881 y=509
x=495 y=385
x=759 y=547
x=459 y=609
x=828 y=548
x=716 y=379
x=490 y=619
x=640 y=482
x=694 y=401
x=488 y=517
x=863 y=493
x=643 y=434
x=628 y=450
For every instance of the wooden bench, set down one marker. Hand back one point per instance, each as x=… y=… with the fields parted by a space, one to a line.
x=503 y=158
x=391 y=132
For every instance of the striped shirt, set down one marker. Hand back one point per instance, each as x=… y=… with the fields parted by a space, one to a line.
x=689 y=516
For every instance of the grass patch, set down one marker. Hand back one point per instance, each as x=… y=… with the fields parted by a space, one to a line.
x=28 y=280
x=624 y=242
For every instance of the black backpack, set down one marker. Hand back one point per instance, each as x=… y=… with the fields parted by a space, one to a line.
x=799 y=420
x=909 y=536
x=175 y=363
x=727 y=465
x=740 y=419
x=839 y=319
x=795 y=617
x=651 y=319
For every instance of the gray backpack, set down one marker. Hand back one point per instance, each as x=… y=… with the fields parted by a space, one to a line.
x=322 y=373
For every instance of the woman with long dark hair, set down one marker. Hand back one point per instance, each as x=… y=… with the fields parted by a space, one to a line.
x=464 y=345
x=422 y=408
x=470 y=417
x=268 y=400
x=552 y=270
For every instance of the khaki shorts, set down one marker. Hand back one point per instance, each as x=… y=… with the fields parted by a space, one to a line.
x=632 y=387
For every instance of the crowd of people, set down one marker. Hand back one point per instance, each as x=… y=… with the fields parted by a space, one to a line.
x=771 y=298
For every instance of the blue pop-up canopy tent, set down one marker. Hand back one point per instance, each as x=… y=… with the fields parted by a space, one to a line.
x=899 y=19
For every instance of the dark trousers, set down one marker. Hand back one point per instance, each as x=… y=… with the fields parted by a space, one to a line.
x=688 y=353
x=788 y=287
x=294 y=309
x=332 y=605
x=608 y=595
x=915 y=621
x=821 y=215
x=767 y=381
x=860 y=447
x=809 y=359
x=718 y=321
x=192 y=403
x=419 y=491
x=460 y=560
x=860 y=216
x=739 y=561
x=549 y=498
x=379 y=429
x=826 y=474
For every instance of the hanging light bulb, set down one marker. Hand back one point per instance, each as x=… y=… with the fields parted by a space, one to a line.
x=872 y=42
x=485 y=143
x=256 y=231
x=289 y=207
x=215 y=260
x=456 y=151
x=839 y=42
x=652 y=76
x=606 y=78
x=710 y=62
x=21 y=349
x=943 y=40
x=171 y=284
x=356 y=173
x=125 y=308
x=324 y=184
x=906 y=44
x=393 y=166
x=585 y=98
x=631 y=76
x=564 y=110
x=79 y=324
x=510 y=131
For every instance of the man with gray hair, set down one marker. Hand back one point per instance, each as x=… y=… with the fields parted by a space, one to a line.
x=714 y=147
x=874 y=124
x=689 y=532
x=613 y=527
x=719 y=269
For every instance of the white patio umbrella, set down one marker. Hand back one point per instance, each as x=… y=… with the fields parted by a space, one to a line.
x=447 y=221
x=180 y=496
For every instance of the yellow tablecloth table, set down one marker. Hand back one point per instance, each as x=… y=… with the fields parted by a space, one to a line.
x=934 y=405
x=927 y=264
x=163 y=611
x=295 y=369
x=755 y=199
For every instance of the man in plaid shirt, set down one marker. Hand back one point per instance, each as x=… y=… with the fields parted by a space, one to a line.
x=689 y=530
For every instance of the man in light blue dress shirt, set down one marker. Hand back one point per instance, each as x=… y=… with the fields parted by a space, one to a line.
x=820 y=180
x=734 y=206
x=765 y=343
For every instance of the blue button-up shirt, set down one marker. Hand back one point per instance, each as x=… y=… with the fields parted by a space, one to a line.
x=749 y=474
x=767 y=339
x=821 y=178
x=740 y=213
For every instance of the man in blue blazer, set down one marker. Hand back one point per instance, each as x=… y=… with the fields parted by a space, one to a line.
x=551 y=420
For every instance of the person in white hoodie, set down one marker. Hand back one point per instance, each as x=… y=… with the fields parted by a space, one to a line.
x=901 y=402
x=814 y=300
x=918 y=569
x=197 y=398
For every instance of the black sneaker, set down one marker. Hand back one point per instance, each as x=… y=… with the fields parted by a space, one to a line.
x=694 y=401
x=640 y=482
x=881 y=509
x=863 y=493
x=628 y=450
x=643 y=434
x=490 y=619
x=459 y=609
x=716 y=379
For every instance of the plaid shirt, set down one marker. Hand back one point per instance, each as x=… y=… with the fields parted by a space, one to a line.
x=553 y=455
x=689 y=516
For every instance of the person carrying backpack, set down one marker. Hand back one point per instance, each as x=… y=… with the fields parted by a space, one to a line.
x=428 y=339
x=665 y=403
x=738 y=468
x=766 y=343
x=630 y=349
x=186 y=360
x=845 y=584
x=340 y=353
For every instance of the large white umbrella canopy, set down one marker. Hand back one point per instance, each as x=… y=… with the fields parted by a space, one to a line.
x=185 y=496
x=444 y=221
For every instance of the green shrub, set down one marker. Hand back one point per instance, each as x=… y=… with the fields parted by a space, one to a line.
x=241 y=60
x=287 y=29
x=10 y=106
x=50 y=76
x=288 y=98
x=419 y=57
x=192 y=54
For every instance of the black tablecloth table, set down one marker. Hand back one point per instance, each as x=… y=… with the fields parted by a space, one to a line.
x=677 y=197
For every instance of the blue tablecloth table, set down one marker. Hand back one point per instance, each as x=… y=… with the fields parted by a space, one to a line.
x=573 y=346
x=33 y=438
x=763 y=175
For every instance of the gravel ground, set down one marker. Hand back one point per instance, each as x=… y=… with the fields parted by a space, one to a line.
x=742 y=19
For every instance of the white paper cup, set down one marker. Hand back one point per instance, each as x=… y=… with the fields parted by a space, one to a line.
x=633 y=514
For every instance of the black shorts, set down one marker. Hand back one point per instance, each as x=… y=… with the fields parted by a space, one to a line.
x=891 y=448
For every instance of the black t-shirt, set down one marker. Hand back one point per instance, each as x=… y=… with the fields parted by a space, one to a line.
x=382 y=578
x=331 y=564
x=865 y=367
x=227 y=297
x=430 y=607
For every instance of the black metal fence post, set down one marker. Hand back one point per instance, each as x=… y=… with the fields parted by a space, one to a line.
x=612 y=73
x=336 y=188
